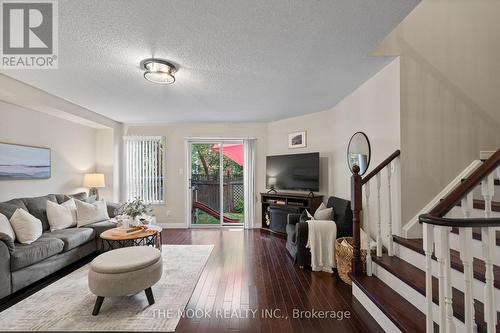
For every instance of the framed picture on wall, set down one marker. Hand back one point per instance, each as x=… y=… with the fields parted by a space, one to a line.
x=297 y=139
x=24 y=162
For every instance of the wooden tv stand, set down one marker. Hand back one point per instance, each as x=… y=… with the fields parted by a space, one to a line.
x=291 y=202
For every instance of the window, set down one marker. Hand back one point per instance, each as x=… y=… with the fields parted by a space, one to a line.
x=145 y=174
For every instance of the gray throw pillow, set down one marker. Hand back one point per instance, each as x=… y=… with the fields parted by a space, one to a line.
x=9 y=207
x=38 y=208
x=82 y=196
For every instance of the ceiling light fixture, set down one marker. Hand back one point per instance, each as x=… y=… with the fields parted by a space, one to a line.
x=158 y=71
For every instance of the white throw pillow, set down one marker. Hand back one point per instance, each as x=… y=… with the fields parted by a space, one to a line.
x=88 y=213
x=6 y=228
x=61 y=216
x=27 y=227
x=323 y=213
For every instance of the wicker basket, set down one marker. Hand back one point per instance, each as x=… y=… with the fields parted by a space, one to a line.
x=343 y=257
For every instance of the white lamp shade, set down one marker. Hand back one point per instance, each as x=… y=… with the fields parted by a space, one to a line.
x=94 y=180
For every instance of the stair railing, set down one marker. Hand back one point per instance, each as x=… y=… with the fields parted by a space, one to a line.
x=357 y=183
x=436 y=230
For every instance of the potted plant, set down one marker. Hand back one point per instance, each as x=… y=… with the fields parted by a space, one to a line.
x=134 y=209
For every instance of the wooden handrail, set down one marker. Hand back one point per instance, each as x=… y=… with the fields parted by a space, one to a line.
x=381 y=166
x=445 y=205
x=460 y=223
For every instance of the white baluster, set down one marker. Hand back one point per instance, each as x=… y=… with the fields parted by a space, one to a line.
x=446 y=323
x=366 y=223
x=379 y=218
x=467 y=205
x=488 y=190
x=465 y=235
x=488 y=239
x=390 y=246
x=428 y=248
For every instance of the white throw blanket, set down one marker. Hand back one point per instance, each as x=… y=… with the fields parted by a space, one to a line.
x=321 y=240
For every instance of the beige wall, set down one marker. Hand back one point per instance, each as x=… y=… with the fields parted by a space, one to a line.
x=173 y=212
x=104 y=154
x=373 y=108
x=450 y=105
x=72 y=149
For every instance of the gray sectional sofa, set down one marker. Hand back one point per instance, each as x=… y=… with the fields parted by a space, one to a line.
x=24 y=264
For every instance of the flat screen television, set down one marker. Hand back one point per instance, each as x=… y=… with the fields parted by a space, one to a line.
x=293 y=172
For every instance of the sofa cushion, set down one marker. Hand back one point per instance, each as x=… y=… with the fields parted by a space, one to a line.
x=61 y=198
x=8 y=208
x=112 y=208
x=38 y=208
x=291 y=232
x=100 y=227
x=28 y=254
x=72 y=237
x=7 y=240
x=82 y=196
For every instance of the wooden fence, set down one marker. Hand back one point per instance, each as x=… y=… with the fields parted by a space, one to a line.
x=207 y=190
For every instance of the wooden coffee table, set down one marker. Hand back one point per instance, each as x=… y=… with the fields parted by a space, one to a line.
x=115 y=239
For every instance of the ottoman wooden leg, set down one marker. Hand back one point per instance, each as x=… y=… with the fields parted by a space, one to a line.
x=97 y=306
x=149 y=295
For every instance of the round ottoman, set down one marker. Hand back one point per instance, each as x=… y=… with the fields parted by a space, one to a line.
x=123 y=272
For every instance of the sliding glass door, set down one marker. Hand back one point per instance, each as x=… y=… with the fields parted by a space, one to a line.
x=216 y=187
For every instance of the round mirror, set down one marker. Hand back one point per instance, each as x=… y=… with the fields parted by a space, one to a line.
x=359 y=152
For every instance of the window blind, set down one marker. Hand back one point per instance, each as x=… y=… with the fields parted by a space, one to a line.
x=145 y=172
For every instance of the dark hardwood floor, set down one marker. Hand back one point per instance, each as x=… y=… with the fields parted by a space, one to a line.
x=247 y=271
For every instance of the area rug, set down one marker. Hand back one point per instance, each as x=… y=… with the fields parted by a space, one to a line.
x=66 y=305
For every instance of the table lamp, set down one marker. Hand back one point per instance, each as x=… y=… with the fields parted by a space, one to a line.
x=93 y=181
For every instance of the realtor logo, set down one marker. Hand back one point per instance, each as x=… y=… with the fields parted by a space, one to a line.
x=29 y=34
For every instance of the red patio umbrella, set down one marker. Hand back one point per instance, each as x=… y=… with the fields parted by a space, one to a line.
x=233 y=151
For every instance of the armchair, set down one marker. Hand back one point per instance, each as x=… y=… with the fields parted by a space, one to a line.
x=297 y=232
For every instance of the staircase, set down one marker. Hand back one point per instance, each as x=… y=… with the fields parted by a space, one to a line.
x=449 y=279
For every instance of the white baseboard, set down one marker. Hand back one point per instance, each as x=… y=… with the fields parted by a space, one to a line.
x=173 y=225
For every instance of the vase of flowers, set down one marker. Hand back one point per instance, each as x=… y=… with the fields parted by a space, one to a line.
x=135 y=209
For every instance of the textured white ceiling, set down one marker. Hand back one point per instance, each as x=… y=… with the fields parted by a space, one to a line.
x=238 y=60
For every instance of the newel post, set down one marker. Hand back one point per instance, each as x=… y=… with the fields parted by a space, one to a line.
x=356 y=207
